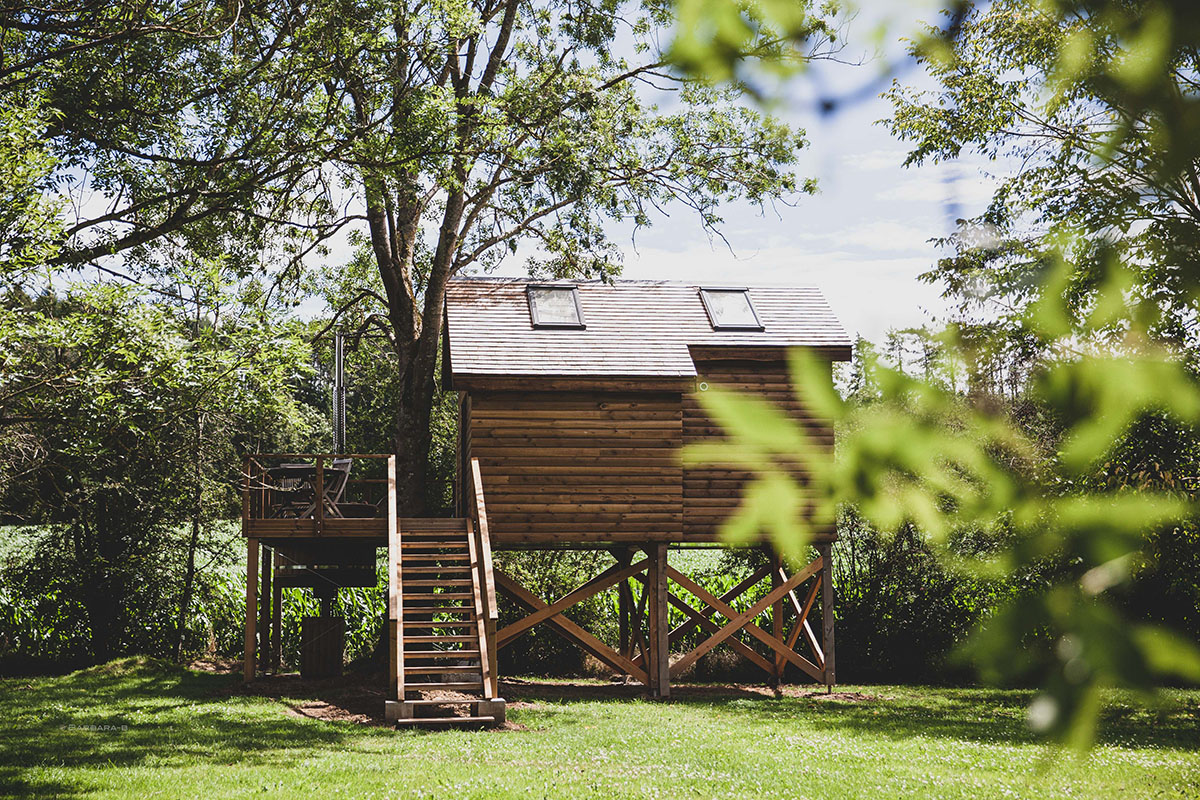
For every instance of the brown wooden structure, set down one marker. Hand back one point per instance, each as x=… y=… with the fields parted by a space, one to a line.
x=574 y=402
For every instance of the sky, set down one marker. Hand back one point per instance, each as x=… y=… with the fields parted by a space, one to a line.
x=864 y=238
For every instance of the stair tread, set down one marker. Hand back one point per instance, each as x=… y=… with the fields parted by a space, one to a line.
x=441 y=609
x=439 y=669
x=445 y=720
x=441 y=653
x=407 y=558
x=438 y=609
x=436 y=570
x=420 y=638
x=442 y=686
x=439 y=582
x=423 y=626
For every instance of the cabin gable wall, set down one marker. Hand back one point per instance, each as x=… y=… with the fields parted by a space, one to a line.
x=712 y=493
x=577 y=467
x=590 y=467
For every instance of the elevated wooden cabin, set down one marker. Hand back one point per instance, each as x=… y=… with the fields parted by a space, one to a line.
x=576 y=398
x=574 y=402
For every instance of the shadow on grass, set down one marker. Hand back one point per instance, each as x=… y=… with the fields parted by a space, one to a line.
x=135 y=710
x=990 y=716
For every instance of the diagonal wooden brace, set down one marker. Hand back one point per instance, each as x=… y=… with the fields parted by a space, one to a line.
x=745 y=620
x=733 y=594
x=802 y=622
x=572 y=631
x=698 y=617
x=611 y=576
x=704 y=620
x=802 y=616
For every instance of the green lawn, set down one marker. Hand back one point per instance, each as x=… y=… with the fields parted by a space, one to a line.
x=137 y=729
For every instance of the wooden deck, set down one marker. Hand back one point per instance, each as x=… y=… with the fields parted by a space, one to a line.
x=443 y=615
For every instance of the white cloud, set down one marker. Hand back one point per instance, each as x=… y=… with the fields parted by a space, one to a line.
x=942 y=186
x=875 y=160
x=869 y=294
x=879 y=236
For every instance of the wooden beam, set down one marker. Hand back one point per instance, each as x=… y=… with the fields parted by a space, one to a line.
x=802 y=617
x=660 y=649
x=728 y=597
x=572 y=631
x=248 y=661
x=777 y=579
x=395 y=590
x=639 y=633
x=610 y=576
x=477 y=597
x=491 y=609
x=264 y=607
x=707 y=624
x=830 y=671
x=277 y=616
x=485 y=535
x=745 y=621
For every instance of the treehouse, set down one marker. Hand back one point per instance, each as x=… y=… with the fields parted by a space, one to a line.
x=574 y=401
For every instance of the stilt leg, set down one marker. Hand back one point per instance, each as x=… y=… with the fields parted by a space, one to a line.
x=660 y=652
x=623 y=598
x=277 y=616
x=777 y=616
x=826 y=551
x=265 y=615
x=624 y=603
x=251 y=608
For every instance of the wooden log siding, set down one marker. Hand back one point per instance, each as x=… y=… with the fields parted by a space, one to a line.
x=578 y=467
x=711 y=493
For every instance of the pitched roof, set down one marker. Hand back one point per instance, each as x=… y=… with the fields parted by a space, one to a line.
x=636 y=329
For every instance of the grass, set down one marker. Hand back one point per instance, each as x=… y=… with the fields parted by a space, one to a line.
x=136 y=728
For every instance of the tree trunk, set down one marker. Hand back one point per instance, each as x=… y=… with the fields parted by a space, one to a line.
x=412 y=435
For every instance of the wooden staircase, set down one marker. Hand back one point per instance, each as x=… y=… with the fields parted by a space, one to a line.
x=442 y=622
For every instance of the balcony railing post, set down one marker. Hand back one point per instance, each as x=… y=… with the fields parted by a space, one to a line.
x=246 y=488
x=320 y=495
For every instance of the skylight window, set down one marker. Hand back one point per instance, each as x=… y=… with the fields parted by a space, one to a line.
x=730 y=309
x=554 y=306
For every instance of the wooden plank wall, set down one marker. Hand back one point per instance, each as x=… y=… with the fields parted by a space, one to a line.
x=578 y=467
x=711 y=493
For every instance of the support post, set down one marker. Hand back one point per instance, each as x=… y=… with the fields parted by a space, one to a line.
x=826 y=551
x=624 y=556
x=395 y=707
x=624 y=601
x=265 y=614
x=277 y=615
x=777 y=615
x=660 y=651
x=319 y=499
x=251 y=609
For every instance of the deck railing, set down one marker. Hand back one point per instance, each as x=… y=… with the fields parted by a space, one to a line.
x=314 y=486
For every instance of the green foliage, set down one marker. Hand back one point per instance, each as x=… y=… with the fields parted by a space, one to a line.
x=748 y=40
x=29 y=221
x=1085 y=263
x=126 y=420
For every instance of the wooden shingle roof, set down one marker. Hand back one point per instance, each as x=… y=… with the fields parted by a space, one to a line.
x=634 y=329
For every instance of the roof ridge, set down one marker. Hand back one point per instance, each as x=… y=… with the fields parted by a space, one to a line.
x=629 y=281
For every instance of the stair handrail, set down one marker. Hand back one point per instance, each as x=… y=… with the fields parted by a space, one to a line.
x=484 y=541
